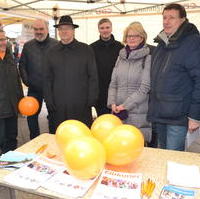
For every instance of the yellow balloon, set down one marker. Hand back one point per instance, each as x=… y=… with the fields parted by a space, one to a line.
x=84 y=157
x=124 y=144
x=102 y=126
x=70 y=129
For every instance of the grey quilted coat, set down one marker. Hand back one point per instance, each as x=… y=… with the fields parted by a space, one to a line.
x=130 y=85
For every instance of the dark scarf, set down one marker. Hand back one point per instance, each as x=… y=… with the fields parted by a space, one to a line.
x=128 y=50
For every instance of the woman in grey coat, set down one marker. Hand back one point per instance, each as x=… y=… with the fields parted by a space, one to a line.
x=130 y=83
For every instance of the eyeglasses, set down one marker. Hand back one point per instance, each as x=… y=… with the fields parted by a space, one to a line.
x=133 y=36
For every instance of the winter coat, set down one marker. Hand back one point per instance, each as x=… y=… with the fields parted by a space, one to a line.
x=31 y=64
x=10 y=86
x=106 y=53
x=71 y=81
x=175 y=78
x=130 y=85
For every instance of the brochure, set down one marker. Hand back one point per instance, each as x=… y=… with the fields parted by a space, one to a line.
x=15 y=160
x=67 y=185
x=33 y=174
x=173 y=192
x=118 y=185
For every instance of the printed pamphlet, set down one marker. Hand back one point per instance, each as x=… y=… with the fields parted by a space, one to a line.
x=118 y=185
x=173 y=192
x=33 y=174
x=67 y=185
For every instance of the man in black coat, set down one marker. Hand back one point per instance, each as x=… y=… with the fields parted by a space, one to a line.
x=106 y=51
x=71 y=82
x=10 y=94
x=31 y=67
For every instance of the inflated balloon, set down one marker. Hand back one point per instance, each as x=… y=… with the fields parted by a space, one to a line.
x=70 y=129
x=124 y=144
x=84 y=157
x=28 y=106
x=102 y=126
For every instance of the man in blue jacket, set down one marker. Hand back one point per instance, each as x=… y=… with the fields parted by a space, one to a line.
x=175 y=79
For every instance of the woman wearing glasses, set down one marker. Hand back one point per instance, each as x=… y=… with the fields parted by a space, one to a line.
x=128 y=93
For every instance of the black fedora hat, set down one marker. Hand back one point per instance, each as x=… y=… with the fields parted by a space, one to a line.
x=65 y=20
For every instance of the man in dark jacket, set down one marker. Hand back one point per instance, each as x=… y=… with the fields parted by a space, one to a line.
x=106 y=51
x=31 y=66
x=175 y=79
x=10 y=94
x=71 y=82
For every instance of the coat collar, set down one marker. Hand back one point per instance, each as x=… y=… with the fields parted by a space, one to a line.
x=135 y=54
x=183 y=31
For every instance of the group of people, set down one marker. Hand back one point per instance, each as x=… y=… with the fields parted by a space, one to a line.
x=144 y=86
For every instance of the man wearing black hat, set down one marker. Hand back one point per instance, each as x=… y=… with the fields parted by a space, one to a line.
x=71 y=83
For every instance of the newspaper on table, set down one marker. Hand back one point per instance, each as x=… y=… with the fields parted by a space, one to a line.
x=118 y=185
x=173 y=192
x=33 y=174
x=67 y=185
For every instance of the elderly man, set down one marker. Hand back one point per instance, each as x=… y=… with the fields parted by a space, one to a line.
x=10 y=94
x=106 y=51
x=31 y=66
x=71 y=83
x=175 y=79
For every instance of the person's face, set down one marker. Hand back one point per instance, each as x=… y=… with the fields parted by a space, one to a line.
x=105 y=30
x=171 y=21
x=133 y=39
x=3 y=42
x=40 y=30
x=66 y=33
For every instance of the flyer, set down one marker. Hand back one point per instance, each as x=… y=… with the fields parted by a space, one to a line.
x=118 y=185
x=173 y=192
x=33 y=174
x=67 y=185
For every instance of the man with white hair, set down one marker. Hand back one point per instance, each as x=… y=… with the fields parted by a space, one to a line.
x=31 y=69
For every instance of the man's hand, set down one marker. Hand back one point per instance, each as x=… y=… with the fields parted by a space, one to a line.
x=193 y=125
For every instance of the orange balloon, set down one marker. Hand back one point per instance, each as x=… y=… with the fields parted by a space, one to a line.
x=84 y=157
x=28 y=106
x=102 y=126
x=124 y=144
x=70 y=129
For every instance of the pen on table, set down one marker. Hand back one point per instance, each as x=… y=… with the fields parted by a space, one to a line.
x=41 y=149
x=151 y=189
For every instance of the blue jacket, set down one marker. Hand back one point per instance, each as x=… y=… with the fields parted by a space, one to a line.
x=175 y=78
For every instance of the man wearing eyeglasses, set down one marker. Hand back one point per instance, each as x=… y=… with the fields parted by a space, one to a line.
x=31 y=70
x=10 y=94
x=71 y=82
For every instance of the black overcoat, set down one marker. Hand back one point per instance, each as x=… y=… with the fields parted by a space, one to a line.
x=71 y=82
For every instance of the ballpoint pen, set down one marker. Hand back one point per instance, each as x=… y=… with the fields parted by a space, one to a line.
x=147 y=189
x=41 y=149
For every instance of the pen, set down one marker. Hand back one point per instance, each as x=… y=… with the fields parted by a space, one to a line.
x=41 y=149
